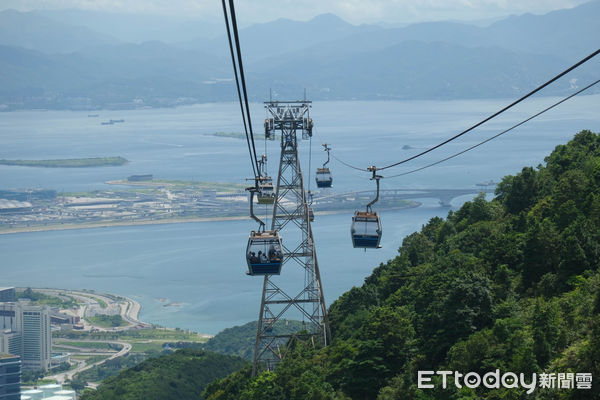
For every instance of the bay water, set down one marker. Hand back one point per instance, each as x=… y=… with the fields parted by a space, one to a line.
x=192 y=275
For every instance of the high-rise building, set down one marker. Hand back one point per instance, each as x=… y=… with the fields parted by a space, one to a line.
x=10 y=342
x=37 y=338
x=10 y=319
x=7 y=294
x=25 y=331
x=10 y=377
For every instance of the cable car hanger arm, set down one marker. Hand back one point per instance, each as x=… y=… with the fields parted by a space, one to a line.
x=327 y=149
x=376 y=178
x=253 y=190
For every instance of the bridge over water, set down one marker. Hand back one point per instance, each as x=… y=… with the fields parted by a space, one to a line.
x=445 y=196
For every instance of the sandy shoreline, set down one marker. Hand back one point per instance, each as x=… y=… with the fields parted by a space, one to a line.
x=108 y=224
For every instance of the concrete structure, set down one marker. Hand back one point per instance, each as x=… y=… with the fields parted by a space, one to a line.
x=58 y=358
x=95 y=309
x=50 y=390
x=58 y=318
x=10 y=320
x=33 y=394
x=11 y=342
x=10 y=377
x=26 y=332
x=70 y=394
x=7 y=294
x=57 y=398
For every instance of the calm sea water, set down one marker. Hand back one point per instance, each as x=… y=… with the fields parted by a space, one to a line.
x=201 y=266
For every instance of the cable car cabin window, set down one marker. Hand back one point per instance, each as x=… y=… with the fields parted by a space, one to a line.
x=366 y=230
x=323 y=177
x=264 y=253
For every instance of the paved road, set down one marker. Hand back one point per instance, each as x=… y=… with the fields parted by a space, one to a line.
x=128 y=308
x=68 y=375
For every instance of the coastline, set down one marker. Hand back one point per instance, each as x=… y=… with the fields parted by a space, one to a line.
x=109 y=224
x=130 y=311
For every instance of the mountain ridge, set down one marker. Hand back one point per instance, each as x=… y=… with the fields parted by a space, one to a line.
x=326 y=55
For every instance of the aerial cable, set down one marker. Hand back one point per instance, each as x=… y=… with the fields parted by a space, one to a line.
x=237 y=82
x=348 y=165
x=239 y=54
x=497 y=113
x=309 y=158
x=341 y=161
x=497 y=135
x=478 y=124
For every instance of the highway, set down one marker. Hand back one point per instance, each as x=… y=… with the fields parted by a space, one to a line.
x=94 y=303
x=68 y=375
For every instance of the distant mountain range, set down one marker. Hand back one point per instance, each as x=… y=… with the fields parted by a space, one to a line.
x=76 y=59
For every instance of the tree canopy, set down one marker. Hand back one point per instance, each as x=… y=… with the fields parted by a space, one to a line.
x=181 y=375
x=512 y=283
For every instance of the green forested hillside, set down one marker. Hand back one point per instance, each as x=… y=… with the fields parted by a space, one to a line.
x=181 y=375
x=510 y=284
x=240 y=340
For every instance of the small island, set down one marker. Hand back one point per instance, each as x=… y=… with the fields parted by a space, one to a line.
x=69 y=162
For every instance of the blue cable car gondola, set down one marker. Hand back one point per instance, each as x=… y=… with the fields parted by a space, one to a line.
x=263 y=253
x=323 y=178
x=366 y=225
x=366 y=230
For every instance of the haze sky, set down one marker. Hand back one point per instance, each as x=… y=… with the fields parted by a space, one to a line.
x=354 y=11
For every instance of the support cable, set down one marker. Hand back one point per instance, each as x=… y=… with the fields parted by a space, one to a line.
x=345 y=163
x=571 y=68
x=349 y=165
x=309 y=160
x=253 y=160
x=547 y=83
x=239 y=55
x=497 y=135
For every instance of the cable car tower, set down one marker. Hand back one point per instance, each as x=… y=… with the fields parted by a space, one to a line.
x=292 y=221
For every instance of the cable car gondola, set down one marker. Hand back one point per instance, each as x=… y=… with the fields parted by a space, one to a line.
x=264 y=253
x=266 y=194
x=366 y=225
x=323 y=176
x=366 y=230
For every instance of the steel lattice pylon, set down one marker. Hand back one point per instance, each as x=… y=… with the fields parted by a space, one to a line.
x=291 y=220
